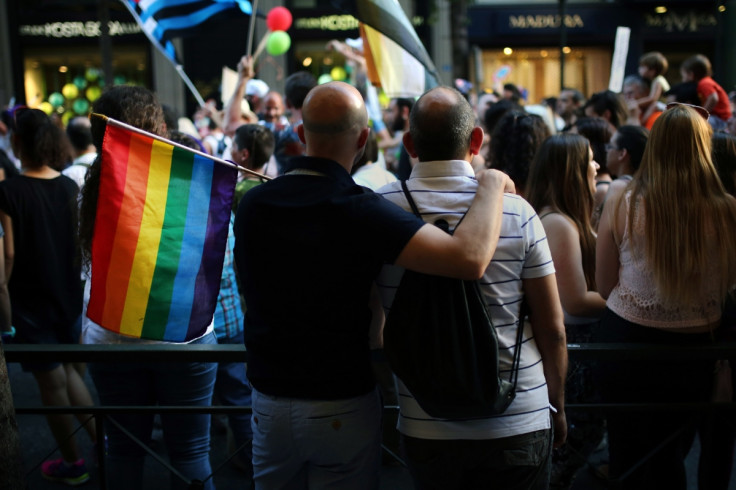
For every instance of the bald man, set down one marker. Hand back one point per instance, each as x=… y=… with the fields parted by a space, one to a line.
x=309 y=245
x=445 y=453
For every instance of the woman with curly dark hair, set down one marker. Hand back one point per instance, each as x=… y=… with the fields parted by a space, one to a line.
x=147 y=384
x=514 y=142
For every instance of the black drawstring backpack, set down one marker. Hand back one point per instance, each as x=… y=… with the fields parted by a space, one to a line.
x=441 y=343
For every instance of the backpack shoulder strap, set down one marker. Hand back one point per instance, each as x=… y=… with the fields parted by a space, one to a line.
x=415 y=209
x=410 y=199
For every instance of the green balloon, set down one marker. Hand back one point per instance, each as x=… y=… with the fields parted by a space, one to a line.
x=92 y=74
x=80 y=82
x=93 y=93
x=80 y=106
x=324 y=78
x=56 y=99
x=278 y=43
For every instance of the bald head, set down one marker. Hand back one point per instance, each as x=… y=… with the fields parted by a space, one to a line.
x=441 y=124
x=334 y=122
x=334 y=108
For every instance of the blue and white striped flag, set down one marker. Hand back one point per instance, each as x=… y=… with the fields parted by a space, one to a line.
x=163 y=20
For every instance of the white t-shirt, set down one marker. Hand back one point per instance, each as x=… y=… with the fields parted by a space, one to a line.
x=446 y=190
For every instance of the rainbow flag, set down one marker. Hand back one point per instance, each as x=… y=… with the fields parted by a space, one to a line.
x=160 y=236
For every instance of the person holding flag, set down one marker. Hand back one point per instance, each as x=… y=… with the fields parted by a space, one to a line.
x=187 y=436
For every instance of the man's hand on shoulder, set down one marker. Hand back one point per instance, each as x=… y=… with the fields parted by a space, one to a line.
x=493 y=180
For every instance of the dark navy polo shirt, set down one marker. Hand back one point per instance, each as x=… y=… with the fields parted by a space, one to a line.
x=307 y=247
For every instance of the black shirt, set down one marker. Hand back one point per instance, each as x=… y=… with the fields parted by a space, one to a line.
x=307 y=247
x=45 y=286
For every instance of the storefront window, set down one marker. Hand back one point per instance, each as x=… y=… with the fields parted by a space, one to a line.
x=537 y=70
x=66 y=81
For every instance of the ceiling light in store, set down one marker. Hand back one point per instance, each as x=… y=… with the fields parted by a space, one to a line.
x=567 y=50
x=307 y=61
x=721 y=8
x=660 y=9
x=508 y=51
x=63 y=69
x=327 y=60
x=543 y=53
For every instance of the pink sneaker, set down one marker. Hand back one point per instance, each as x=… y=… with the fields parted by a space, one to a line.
x=62 y=472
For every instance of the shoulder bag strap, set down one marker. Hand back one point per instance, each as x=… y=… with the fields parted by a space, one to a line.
x=519 y=339
x=415 y=209
x=410 y=199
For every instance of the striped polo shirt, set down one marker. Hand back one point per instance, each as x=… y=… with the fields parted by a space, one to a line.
x=445 y=190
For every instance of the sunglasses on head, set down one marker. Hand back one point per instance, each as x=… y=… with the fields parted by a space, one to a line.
x=700 y=110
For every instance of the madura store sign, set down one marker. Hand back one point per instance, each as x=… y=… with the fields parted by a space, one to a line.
x=544 y=21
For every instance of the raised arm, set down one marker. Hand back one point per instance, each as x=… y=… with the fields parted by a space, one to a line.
x=564 y=244
x=549 y=334
x=467 y=253
x=232 y=109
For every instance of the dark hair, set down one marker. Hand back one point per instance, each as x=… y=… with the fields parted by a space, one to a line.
x=655 y=61
x=186 y=140
x=515 y=92
x=297 y=87
x=698 y=65
x=442 y=135
x=258 y=140
x=402 y=102
x=634 y=140
x=40 y=142
x=577 y=95
x=496 y=111
x=606 y=100
x=136 y=106
x=685 y=92
x=598 y=132
x=723 y=154
x=370 y=153
x=514 y=144
x=79 y=134
x=559 y=178
x=171 y=117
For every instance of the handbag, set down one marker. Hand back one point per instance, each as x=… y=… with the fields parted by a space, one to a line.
x=441 y=343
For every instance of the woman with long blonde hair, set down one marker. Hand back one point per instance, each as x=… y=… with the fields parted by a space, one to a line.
x=664 y=263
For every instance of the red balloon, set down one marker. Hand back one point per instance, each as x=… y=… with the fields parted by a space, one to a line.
x=279 y=19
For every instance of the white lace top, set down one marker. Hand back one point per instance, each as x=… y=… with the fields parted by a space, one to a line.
x=636 y=298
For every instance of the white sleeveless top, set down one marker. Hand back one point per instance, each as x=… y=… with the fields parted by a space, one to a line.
x=636 y=298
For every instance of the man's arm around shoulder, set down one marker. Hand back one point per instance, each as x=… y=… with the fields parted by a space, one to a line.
x=467 y=253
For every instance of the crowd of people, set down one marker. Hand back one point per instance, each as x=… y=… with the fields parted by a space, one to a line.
x=604 y=218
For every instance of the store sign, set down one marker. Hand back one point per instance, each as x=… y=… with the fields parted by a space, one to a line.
x=328 y=23
x=681 y=22
x=338 y=22
x=544 y=21
x=66 y=30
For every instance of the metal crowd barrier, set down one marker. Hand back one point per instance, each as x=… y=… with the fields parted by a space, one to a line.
x=237 y=353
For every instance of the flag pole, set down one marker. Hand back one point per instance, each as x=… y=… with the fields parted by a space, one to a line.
x=157 y=45
x=115 y=122
x=252 y=27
